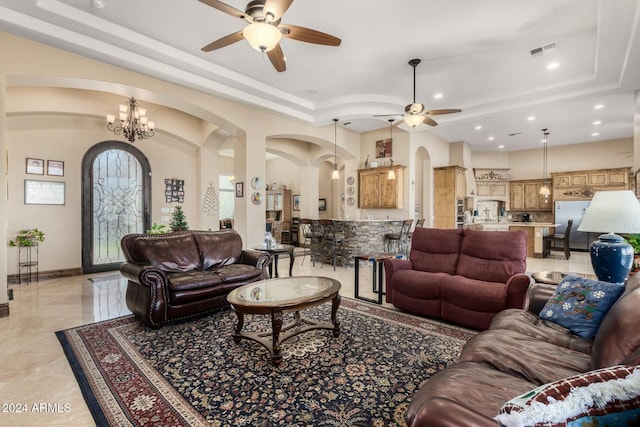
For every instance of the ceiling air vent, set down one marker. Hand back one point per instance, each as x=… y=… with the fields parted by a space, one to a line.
x=546 y=49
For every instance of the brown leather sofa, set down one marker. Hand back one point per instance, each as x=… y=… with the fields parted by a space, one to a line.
x=520 y=352
x=187 y=273
x=462 y=276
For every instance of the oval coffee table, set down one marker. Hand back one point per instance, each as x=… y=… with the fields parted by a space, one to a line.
x=276 y=296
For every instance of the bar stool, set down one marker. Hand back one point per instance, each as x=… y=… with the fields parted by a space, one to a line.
x=312 y=233
x=332 y=241
x=399 y=240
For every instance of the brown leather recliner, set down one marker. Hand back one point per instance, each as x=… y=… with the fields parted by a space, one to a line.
x=188 y=273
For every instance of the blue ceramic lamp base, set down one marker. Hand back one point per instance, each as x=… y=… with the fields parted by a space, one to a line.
x=611 y=258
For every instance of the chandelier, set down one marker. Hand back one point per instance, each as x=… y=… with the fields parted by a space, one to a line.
x=134 y=122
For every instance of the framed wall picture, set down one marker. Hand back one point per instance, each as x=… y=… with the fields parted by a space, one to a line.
x=35 y=166
x=322 y=204
x=43 y=192
x=296 y=202
x=384 y=148
x=239 y=189
x=55 y=168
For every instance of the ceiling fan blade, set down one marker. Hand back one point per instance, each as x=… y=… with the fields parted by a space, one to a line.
x=276 y=56
x=428 y=120
x=308 y=35
x=223 y=7
x=387 y=115
x=225 y=41
x=446 y=111
x=276 y=7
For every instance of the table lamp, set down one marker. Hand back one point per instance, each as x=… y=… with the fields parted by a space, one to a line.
x=612 y=212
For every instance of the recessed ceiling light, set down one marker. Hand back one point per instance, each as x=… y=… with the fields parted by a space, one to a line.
x=597 y=107
x=491 y=138
x=553 y=65
x=500 y=146
x=531 y=118
x=478 y=127
x=437 y=96
x=596 y=123
x=595 y=134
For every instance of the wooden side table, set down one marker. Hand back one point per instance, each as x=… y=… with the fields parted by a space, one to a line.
x=378 y=277
x=276 y=251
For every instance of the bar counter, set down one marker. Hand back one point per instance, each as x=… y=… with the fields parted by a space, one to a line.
x=363 y=236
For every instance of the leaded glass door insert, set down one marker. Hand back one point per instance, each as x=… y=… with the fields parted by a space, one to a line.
x=117 y=186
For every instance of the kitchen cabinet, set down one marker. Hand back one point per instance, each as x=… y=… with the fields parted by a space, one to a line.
x=450 y=189
x=525 y=196
x=278 y=212
x=582 y=185
x=376 y=191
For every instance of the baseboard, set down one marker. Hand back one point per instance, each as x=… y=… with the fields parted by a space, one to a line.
x=12 y=279
x=4 y=310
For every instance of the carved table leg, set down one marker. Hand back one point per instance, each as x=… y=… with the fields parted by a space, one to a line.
x=239 y=325
x=276 y=325
x=335 y=303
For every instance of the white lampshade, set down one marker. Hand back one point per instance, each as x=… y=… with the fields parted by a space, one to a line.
x=544 y=191
x=612 y=212
x=414 y=120
x=391 y=174
x=335 y=174
x=262 y=36
x=111 y=118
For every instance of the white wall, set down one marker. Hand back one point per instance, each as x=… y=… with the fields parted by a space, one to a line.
x=527 y=164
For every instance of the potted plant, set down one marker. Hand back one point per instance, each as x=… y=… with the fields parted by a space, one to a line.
x=28 y=237
x=158 y=229
x=634 y=241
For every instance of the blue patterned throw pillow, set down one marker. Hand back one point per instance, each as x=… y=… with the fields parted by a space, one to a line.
x=580 y=304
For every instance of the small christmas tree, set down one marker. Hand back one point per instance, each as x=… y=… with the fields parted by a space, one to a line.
x=178 y=220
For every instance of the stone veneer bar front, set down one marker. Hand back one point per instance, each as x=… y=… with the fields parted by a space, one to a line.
x=360 y=237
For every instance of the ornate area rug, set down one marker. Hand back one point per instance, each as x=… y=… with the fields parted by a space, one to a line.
x=192 y=373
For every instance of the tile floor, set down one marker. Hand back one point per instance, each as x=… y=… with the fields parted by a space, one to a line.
x=34 y=370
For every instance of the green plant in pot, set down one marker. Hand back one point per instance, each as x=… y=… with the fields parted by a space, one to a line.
x=634 y=241
x=28 y=237
x=158 y=229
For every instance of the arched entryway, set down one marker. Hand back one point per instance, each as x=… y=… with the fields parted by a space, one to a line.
x=116 y=200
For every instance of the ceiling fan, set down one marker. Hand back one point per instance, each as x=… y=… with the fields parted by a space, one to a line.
x=415 y=113
x=264 y=30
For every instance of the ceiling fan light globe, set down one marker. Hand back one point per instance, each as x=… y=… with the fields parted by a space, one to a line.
x=262 y=36
x=414 y=120
x=415 y=108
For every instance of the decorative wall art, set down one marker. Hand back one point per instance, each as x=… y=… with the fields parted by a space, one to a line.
x=210 y=204
x=296 y=202
x=43 y=192
x=174 y=190
x=384 y=148
x=55 y=168
x=239 y=189
x=35 y=166
x=322 y=204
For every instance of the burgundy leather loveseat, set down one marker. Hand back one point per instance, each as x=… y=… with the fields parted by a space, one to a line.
x=462 y=276
x=187 y=273
x=521 y=352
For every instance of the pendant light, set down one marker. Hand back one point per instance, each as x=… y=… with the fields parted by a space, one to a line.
x=544 y=189
x=335 y=174
x=392 y=173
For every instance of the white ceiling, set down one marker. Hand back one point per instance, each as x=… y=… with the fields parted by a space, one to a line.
x=477 y=54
